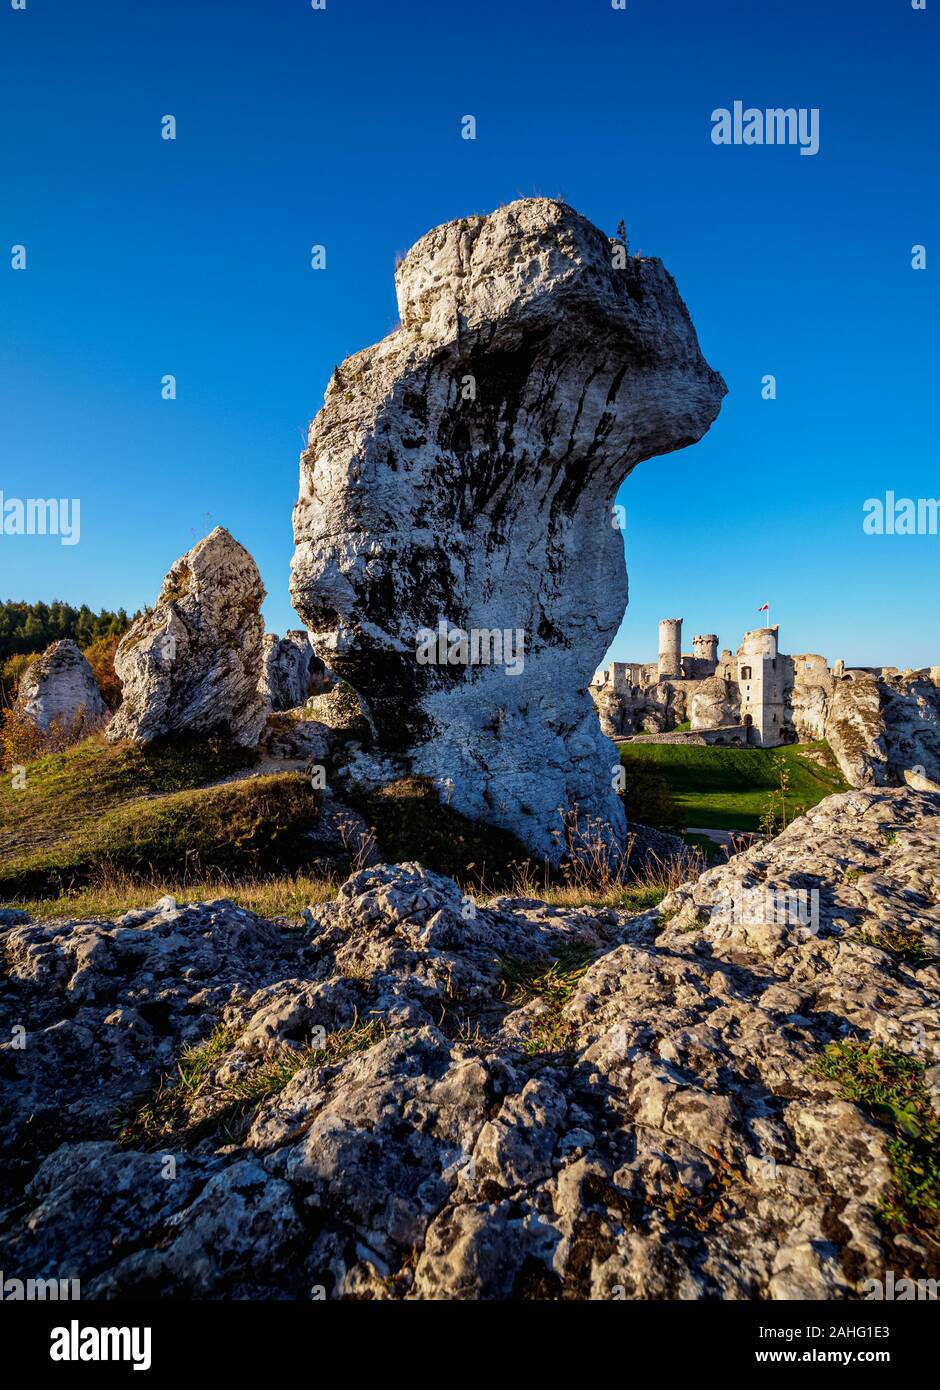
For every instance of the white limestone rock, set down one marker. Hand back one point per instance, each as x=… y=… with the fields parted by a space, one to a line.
x=807 y=706
x=192 y=664
x=715 y=704
x=58 y=690
x=881 y=728
x=290 y=672
x=463 y=470
x=661 y=1131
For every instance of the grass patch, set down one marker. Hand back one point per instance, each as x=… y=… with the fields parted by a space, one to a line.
x=648 y=798
x=252 y=827
x=728 y=788
x=170 y=1110
x=112 y=894
x=522 y=981
x=63 y=790
x=167 y=1110
x=889 y=1086
x=901 y=942
x=100 y=829
x=709 y=850
x=273 y=1074
x=412 y=823
x=282 y=896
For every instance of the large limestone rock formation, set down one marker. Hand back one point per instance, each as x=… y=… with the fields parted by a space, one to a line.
x=58 y=690
x=714 y=704
x=462 y=471
x=881 y=727
x=806 y=706
x=192 y=664
x=660 y=1133
x=290 y=672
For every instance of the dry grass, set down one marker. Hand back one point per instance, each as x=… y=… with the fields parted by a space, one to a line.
x=191 y=1103
x=100 y=830
x=113 y=893
x=592 y=877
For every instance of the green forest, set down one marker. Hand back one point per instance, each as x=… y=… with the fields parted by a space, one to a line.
x=31 y=627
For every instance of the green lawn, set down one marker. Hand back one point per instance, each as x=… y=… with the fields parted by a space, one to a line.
x=728 y=788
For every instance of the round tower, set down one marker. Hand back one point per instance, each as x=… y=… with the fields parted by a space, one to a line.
x=705 y=648
x=670 y=649
x=761 y=642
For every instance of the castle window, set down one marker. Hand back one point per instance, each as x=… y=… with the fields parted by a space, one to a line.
x=745 y=673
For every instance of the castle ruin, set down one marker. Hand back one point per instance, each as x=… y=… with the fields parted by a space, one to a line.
x=756 y=696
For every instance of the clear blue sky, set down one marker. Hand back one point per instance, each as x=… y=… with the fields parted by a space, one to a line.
x=342 y=127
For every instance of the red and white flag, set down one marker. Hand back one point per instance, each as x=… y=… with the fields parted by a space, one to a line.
x=764 y=608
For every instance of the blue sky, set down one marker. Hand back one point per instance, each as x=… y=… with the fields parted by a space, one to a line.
x=342 y=127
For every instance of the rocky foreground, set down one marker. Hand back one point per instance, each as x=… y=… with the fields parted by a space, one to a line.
x=410 y=1100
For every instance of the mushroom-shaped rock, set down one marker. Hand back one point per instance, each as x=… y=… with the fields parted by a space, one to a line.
x=58 y=690
x=192 y=664
x=459 y=482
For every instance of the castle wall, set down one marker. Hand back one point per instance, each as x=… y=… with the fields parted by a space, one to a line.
x=697 y=668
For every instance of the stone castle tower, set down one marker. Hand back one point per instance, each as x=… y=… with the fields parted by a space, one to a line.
x=706 y=648
x=670 y=649
x=761 y=683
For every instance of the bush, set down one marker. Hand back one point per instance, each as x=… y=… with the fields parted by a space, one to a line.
x=11 y=673
x=648 y=799
x=22 y=740
x=100 y=657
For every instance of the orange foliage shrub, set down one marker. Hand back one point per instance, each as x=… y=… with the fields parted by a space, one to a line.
x=11 y=673
x=100 y=657
x=21 y=740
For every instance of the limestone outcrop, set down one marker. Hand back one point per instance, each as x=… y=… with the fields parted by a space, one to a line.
x=806 y=707
x=290 y=672
x=192 y=664
x=881 y=727
x=714 y=704
x=58 y=691
x=445 y=1126
x=459 y=479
